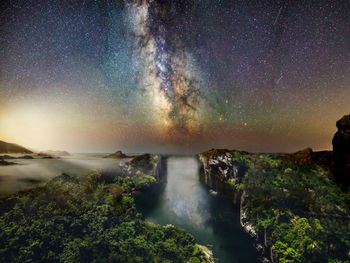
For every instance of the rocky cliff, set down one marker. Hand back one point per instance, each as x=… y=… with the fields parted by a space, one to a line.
x=5 y=163
x=283 y=195
x=146 y=167
x=341 y=150
x=221 y=172
x=279 y=195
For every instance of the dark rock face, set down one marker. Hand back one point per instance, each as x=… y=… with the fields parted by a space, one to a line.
x=302 y=157
x=45 y=156
x=4 y=163
x=145 y=165
x=341 y=150
x=14 y=157
x=142 y=161
x=12 y=148
x=221 y=172
x=307 y=157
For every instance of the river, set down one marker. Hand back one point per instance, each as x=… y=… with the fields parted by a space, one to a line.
x=183 y=201
x=186 y=203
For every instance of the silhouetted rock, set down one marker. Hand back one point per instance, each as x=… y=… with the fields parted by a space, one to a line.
x=307 y=157
x=5 y=163
x=12 y=148
x=143 y=161
x=45 y=156
x=302 y=157
x=31 y=180
x=25 y=157
x=6 y=156
x=117 y=155
x=341 y=150
x=324 y=158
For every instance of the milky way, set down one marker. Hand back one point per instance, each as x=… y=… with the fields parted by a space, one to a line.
x=166 y=68
x=180 y=75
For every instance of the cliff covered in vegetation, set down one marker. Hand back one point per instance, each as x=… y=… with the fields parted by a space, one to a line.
x=296 y=212
x=91 y=219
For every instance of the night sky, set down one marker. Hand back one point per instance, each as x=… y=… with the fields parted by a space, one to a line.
x=173 y=76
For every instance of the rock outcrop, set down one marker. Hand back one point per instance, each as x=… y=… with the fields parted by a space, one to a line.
x=5 y=163
x=307 y=157
x=143 y=162
x=12 y=148
x=45 y=156
x=221 y=172
x=341 y=150
x=117 y=155
x=302 y=157
x=6 y=156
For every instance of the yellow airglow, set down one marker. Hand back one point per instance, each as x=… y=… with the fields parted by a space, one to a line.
x=32 y=127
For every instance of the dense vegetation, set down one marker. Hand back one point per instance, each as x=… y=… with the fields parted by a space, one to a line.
x=299 y=212
x=90 y=219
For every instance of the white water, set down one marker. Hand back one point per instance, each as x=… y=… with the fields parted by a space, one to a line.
x=185 y=202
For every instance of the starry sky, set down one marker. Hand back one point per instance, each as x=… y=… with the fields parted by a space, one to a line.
x=173 y=76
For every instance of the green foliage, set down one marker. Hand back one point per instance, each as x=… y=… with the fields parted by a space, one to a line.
x=86 y=220
x=304 y=214
x=286 y=254
x=145 y=181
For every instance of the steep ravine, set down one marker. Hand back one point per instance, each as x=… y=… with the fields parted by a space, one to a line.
x=289 y=203
x=184 y=201
x=220 y=173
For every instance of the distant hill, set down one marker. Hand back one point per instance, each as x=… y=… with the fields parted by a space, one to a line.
x=12 y=148
x=117 y=155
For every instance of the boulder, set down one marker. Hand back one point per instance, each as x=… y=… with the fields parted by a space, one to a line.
x=341 y=150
